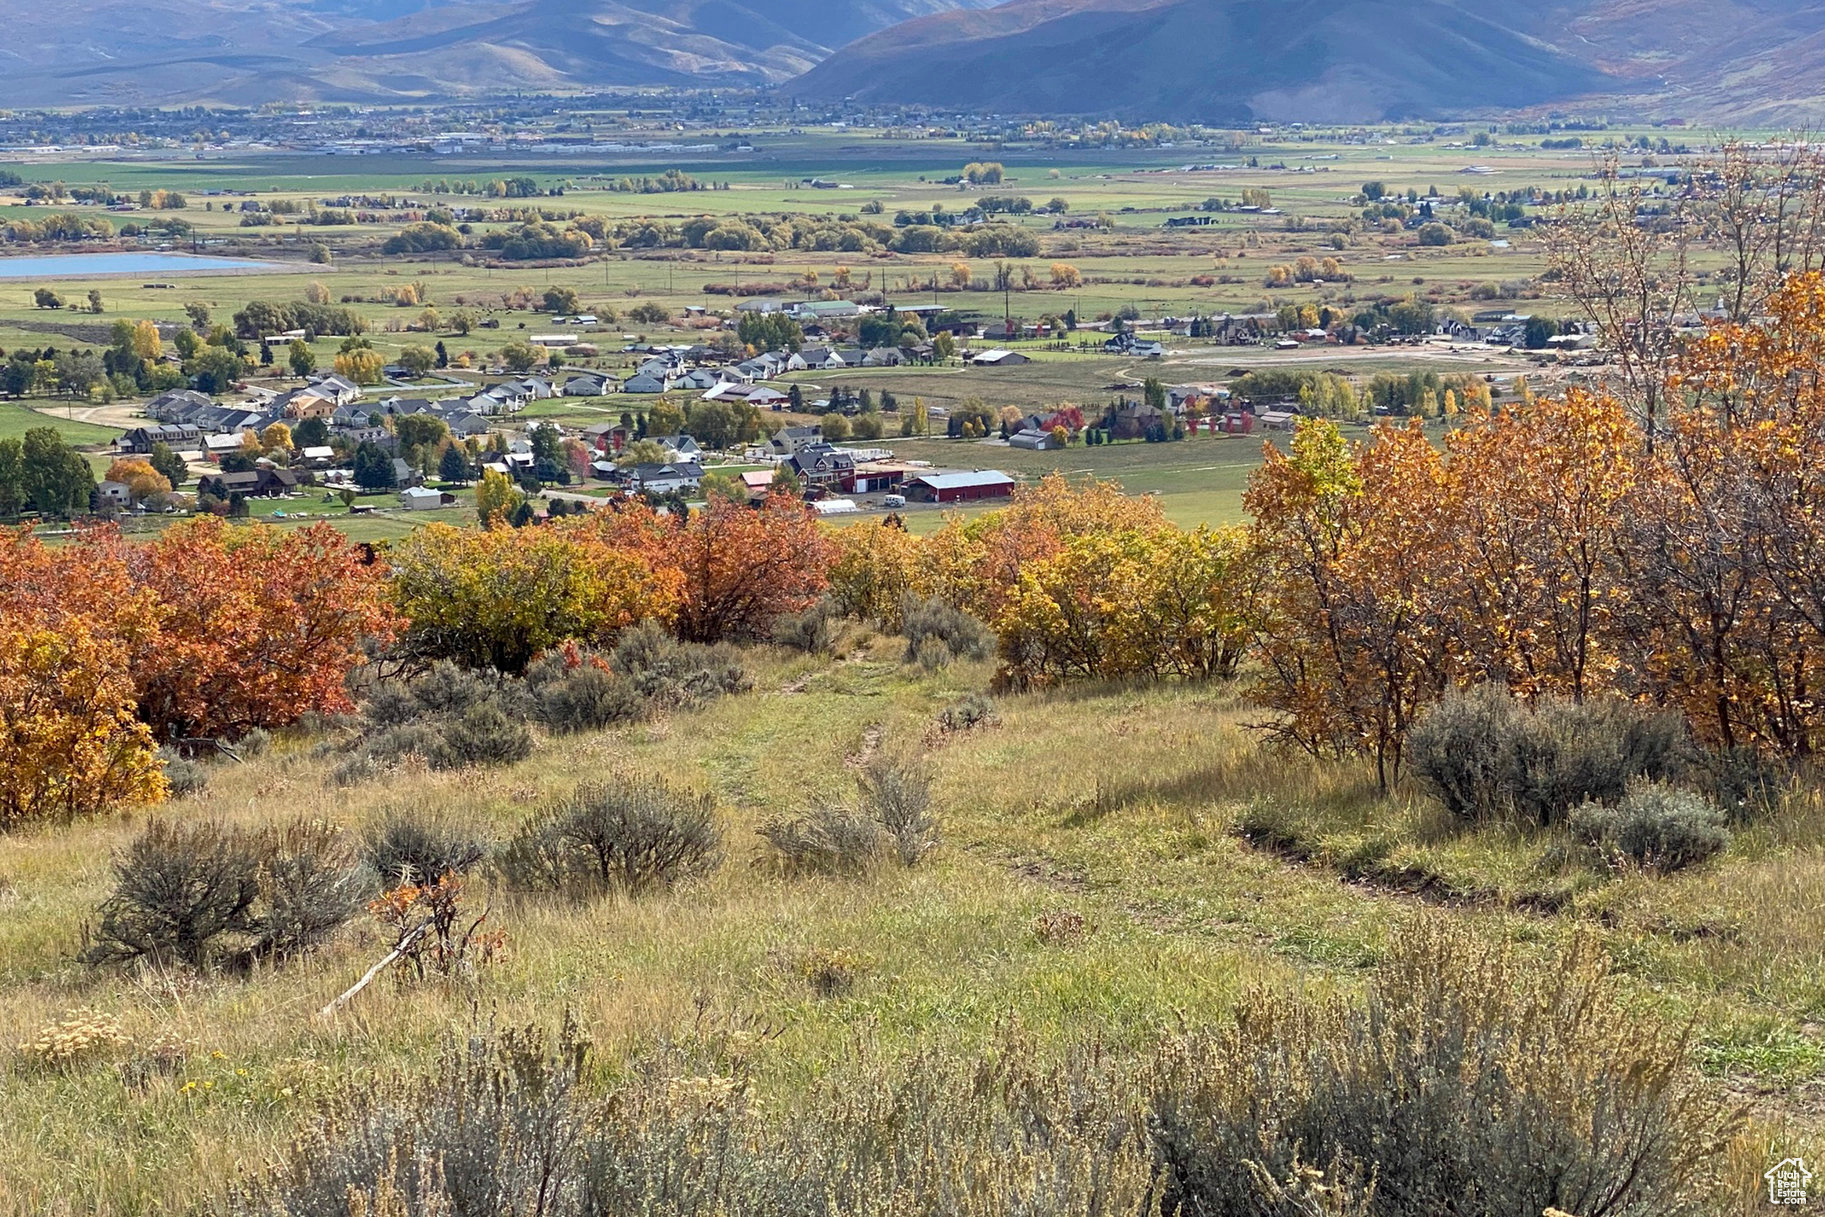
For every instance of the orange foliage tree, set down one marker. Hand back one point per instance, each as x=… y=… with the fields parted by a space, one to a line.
x=258 y=626
x=743 y=568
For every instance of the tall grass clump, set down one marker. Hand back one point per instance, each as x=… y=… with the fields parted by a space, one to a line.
x=509 y=1124
x=1467 y=1080
x=1490 y=758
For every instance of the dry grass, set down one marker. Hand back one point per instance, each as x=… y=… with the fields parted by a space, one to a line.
x=1109 y=809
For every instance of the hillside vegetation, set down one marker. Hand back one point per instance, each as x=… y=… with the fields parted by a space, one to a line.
x=1410 y=849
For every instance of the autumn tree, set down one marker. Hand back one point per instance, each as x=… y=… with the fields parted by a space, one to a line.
x=70 y=743
x=498 y=598
x=743 y=569
x=139 y=477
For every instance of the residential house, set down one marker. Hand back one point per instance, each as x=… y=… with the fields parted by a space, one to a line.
x=826 y=467
x=679 y=447
x=788 y=440
x=254 y=484
x=591 y=384
x=648 y=382
x=606 y=437
x=117 y=495
x=667 y=478
x=173 y=405
x=140 y=440
x=405 y=475
x=339 y=389
x=1034 y=440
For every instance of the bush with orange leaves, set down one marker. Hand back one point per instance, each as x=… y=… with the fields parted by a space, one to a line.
x=107 y=649
x=1558 y=549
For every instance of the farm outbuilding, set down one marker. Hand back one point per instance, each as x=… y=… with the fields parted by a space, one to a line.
x=959 y=487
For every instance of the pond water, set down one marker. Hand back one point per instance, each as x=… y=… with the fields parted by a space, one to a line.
x=78 y=266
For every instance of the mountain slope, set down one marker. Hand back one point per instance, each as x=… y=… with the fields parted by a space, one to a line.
x=1237 y=60
x=1212 y=60
x=172 y=51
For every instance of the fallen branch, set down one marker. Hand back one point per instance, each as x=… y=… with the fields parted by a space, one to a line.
x=393 y=957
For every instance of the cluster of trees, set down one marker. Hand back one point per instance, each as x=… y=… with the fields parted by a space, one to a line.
x=1076 y=581
x=500 y=597
x=1564 y=549
x=263 y=317
x=41 y=473
x=538 y=241
x=109 y=649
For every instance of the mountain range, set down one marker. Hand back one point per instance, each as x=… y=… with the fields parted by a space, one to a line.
x=1220 y=61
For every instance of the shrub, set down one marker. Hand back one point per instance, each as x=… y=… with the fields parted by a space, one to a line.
x=201 y=893
x=1655 y=827
x=179 y=889
x=827 y=840
x=405 y=847
x=898 y=794
x=932 y=654
x=570 y=692
x=1466 y=1081
x=1746 y=784
x=482 y=735
x=676 y=675
x=1489 y=758
x=184 y=776
x=627 y=834
x=255 y=743
x=505 y=1124
x=971 y=710
x=311 y=885
x=810 y=631
x=966 y=637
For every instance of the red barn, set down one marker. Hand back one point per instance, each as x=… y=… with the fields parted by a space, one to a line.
x=959 y=487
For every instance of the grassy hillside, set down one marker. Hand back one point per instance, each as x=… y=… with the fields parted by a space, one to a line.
x=1091 y=886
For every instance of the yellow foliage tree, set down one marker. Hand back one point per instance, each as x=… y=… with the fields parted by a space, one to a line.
x=139 y=477
x=362 y=366
x=69 y=741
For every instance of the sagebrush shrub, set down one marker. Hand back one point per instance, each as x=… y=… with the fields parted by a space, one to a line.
x=571 y=693
x=629 y=833
x=183 y=776
x=179 y=890
x=1469 y=1080
x=508 y=1124
x=963 y=635
x=677 y=675
x=898 y=794
x=812 y=631
x=201 y=893
x=1656 y=827
x=482 y=735
x=1490 y=758
x=407 y=846
x=311 y=885
x=971 y=710
x=826 y=840
x=932 y=654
